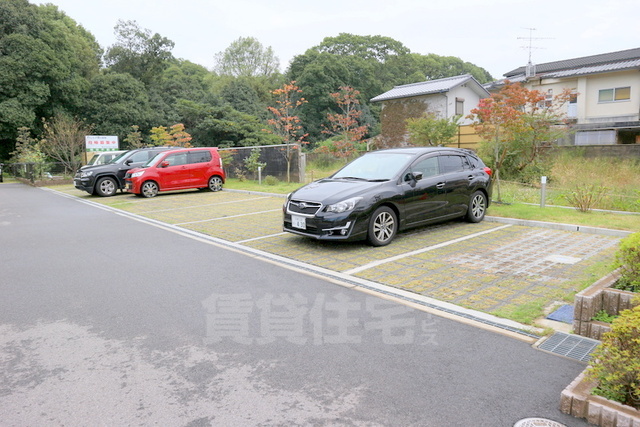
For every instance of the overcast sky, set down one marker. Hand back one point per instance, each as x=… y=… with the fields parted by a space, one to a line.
x=492 y=34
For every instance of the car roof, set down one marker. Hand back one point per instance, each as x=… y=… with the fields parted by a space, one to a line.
x=423 y=150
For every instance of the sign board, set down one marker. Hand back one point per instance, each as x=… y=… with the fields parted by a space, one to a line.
x=101 y=143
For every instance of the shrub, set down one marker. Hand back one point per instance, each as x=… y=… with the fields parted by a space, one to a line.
x=271 y=180
x=586 y=197
x=615 y=364
x=628 y=259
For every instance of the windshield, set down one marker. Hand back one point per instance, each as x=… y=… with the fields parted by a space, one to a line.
x=378 y=166
x=154 y=160
x=119 y=158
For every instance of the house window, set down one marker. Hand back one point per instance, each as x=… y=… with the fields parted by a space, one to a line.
x=613 y=95
x=459 y=106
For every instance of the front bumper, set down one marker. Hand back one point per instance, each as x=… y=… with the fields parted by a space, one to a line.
x=84 y=184
x=339 y=227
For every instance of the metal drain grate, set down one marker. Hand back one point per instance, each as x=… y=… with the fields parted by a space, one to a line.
x=572 y=346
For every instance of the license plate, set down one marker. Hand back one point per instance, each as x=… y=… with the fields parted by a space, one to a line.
x=298 y=222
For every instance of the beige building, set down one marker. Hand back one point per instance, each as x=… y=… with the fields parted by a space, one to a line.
x=605 y=109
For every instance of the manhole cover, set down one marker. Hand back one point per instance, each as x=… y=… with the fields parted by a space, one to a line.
x=537 y=422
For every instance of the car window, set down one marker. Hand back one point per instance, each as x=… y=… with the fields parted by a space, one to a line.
x=475 y=164
x=450 y=164
x=200 y=156
x=176 y=159
x=428 y=167
x=140 y=156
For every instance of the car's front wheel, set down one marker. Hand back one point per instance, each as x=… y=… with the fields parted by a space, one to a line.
x=106 y=187
x=149 y=189
x=215 y=183
x=382 y=226
x=477 y=207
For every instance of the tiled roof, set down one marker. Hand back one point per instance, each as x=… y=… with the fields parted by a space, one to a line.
x=426 y=88
x=579 y=71
x=585 y=61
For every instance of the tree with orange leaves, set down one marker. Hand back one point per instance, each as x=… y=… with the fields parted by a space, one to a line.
x=285 y=123
x=174 y=137
x=516 y=124
x=345 y=124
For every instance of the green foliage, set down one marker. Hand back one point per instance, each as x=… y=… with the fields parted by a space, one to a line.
x=628 y=259
x=226 y=127
x=429 y=130
x=603 y=316
x=246 y=57
x=586 y=196
x=46 y=62
x=134 y=138
x=615 y=364
x=116 y=102
x=253 y=163
x=139 y=53
x=271 y=180
x=28 y=150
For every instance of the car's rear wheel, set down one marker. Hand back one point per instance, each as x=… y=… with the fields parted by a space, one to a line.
x=477 y=207
x=106 y=187
x=149 y=189
x=382 y=226
x=215 y=183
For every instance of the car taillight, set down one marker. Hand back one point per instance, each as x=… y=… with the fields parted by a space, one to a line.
x=488 y=170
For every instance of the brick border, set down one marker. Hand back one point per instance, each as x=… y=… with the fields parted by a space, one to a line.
x=576 y=400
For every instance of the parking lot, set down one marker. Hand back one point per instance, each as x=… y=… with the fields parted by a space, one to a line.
x=492 y=267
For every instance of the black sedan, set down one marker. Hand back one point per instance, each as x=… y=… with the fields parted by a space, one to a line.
x=385 y=191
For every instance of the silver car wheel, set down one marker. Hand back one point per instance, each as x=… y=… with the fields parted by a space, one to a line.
x=215 y=183
x=477 y=207
x=149 y=189
x=383 y=227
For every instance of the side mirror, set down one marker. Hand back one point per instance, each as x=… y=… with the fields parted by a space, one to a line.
x=128 y=162
x=417 y=176
x=164 y=164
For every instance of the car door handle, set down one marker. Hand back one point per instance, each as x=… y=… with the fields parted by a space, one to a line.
x=470 y=177
x=440 y=185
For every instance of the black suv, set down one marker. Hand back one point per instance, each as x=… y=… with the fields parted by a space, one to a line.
x=105 y=180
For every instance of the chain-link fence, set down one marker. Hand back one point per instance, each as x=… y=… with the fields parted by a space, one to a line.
x=36 y=173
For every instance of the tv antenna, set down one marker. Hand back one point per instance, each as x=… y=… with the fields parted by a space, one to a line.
x=531 y=39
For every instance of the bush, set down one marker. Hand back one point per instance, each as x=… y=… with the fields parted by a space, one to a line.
x=628 y=259
x=586 y=197
x=271 y=180
x=615 y=364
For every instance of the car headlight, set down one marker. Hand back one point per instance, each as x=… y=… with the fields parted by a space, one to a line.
x=344 y=206
x=84 y=174
x=137 y=174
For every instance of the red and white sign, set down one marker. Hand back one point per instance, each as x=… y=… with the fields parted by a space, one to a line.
x=101 y=143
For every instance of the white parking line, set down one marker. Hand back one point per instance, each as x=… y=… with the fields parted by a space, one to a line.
x=260 y=238
x=419 y=251
x=208 y=204
x=227 y=217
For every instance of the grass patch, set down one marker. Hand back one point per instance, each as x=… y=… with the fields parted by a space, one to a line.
x=524 y=313
x=627 y=222
x=280 y=187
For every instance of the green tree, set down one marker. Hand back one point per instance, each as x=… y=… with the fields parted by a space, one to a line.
x=116 y=102
x=138 y=52
x=429 y=130
x=246 y=57
x=46 y=63
x=253 y=163
x=134 y=138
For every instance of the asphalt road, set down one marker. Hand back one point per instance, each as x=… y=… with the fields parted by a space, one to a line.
x=111 y=321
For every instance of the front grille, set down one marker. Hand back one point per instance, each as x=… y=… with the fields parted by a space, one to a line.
x=303 y=208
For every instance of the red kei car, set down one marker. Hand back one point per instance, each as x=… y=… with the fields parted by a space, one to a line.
x=177 y=170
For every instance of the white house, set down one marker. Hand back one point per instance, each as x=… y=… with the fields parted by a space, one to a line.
x=446 y=98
